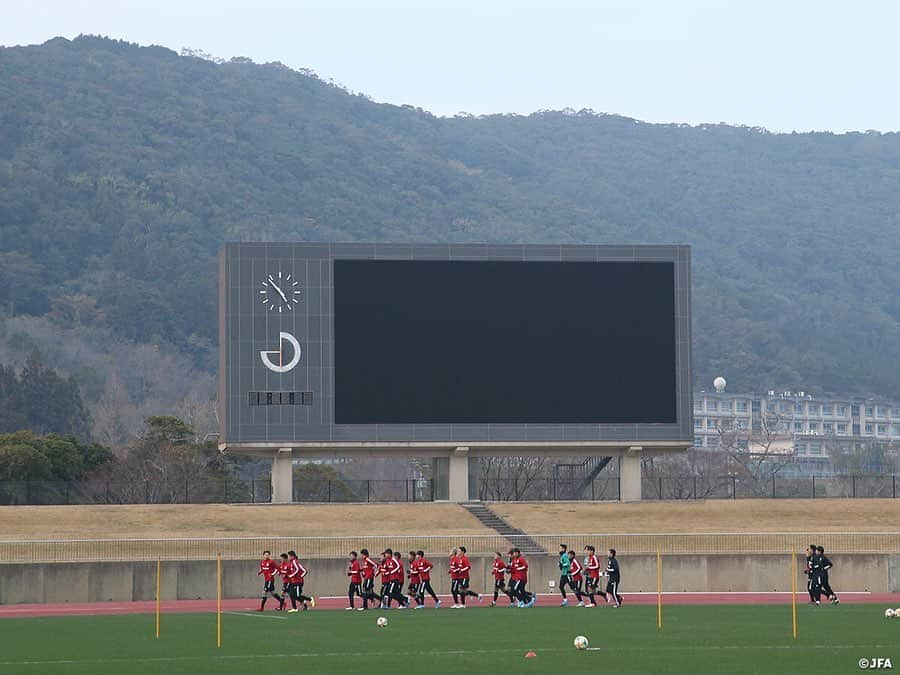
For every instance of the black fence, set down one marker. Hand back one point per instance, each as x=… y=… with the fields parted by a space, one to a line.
x=234 y=491
x=211 y=491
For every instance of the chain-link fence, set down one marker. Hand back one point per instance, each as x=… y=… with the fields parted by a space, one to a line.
x=248 y=548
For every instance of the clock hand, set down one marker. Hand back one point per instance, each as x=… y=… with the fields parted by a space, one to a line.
x=275 y=286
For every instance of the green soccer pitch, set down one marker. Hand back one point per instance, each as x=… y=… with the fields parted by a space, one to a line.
x=694 y=639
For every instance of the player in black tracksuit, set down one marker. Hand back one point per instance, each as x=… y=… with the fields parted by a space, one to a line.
x=821 y=566
x=612 y=573
x=810 y=579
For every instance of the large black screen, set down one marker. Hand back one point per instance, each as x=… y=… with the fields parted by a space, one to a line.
x=422 y=341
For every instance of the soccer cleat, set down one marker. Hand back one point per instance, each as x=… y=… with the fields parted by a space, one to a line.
x=532 y=601
x=493 y=604
x=835 y=600
x=361 y=609
x=349 y=608
x=437 y=605
x=479 y=597
x=590 y=604
x=580 y=604
x=521 y=604
x=420 y=606
x=312 y=601
x=564 y=603
x=293 y=610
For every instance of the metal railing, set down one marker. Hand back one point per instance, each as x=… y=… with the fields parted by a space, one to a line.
x=248 y=548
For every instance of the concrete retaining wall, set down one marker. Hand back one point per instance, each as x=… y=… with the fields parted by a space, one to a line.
x=90 y=582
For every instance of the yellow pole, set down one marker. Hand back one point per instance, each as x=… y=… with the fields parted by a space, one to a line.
x=793 y=592
x=658 y=589
x=158 y=585
x=218 y=601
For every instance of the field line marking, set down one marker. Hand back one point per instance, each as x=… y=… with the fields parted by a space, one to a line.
x=454 y=652
x=257 y=615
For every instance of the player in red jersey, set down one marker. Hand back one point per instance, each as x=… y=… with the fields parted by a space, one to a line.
x=412 y=591
x=424 y=567
x=574 y=577
x=498 y=571
x=453 y=571
x=391 y=577
x=297 y=576
x=354 y=571
x=369 y=570
x=463 y=569
x=519 y=578
x=592 y=568
x=268 y=568
x=399 y=579
x=284 y=571
x=384 y=571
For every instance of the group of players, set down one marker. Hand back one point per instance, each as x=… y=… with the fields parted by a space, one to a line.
x=817 y=566
x=510 y=576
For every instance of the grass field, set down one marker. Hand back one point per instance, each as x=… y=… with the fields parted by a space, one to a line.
x=695 y=639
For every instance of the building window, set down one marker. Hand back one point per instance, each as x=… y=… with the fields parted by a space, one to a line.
x=770 y=407
x=698 y=424
x=842 y=410
x=842 y=428
x=869 y=429
x=827 y=428
x=882 y=429
x=879 y=411
x=698 y=404
x=742 y=424
x=897 y=430
x=798 y=409
x=828 y=410
x=725 y=406
x=856 y=430
x=813 y=409
x=740 y=406
x=782 y=407
x=813 y=427
x=711 y=424
x=698 y=441
x=870 y=411
x=798 y=427
x=712 y=405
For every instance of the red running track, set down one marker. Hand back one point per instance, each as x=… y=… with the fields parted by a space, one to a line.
x=334 y=603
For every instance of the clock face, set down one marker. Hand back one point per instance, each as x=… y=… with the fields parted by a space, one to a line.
x=279 y=292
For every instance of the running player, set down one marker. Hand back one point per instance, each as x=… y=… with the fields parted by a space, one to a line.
x=354 y=571
x=269 y=568
x=463 y=569
x=519 y=578
x=284 y=570
x=564 y=565
x=454 y=578
x=369 y=569
x=425 y=567
x=592 y=566
x=810 y=577
x=395 y=571
x=412 y=591
x=297 y=577
x=574 y=577
x=499 y=570
x=384 y=571
x=612 y=573
x=824 y=564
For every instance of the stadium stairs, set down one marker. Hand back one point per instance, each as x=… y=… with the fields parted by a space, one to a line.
x=513 y=535
x=579 y=476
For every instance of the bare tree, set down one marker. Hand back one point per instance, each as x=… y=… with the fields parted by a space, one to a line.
x=757 y=456
x=512 y=478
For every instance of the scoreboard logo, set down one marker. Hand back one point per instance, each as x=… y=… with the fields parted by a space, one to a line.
x=274 y=359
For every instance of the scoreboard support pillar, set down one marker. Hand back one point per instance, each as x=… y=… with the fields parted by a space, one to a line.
x=630 y=474
x=458 y=489
x=283 y=476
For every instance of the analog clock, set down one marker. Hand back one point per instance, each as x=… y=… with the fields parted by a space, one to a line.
x=279 y=292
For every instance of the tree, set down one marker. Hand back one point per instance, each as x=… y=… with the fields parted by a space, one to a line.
x=513 y=478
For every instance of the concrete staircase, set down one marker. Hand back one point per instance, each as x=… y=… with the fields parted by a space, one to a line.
x=513 y=535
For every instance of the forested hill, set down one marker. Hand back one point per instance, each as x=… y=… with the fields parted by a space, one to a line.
x=124 y=168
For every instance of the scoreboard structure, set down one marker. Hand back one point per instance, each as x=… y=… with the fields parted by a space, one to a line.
x=454 y=350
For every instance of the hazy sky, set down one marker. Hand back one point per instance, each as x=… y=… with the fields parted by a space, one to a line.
x=788 y=65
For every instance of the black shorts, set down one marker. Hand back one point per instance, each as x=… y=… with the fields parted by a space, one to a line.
x=269 y=586
x=413 y=589
x=286 y=587
x=464 y=583
x=612 y=587
x=592 y=582
x=499 y=584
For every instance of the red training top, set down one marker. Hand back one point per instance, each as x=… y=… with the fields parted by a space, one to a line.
x=368 y=568
x=268 y=568
x=353 y=571
x=519 y=569
x=593 y=566
x=575 y=568
x=499 y=569
x=425 y=568
x=463 y=567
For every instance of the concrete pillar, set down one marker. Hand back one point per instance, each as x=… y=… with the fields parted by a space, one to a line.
x=459 y=475
x=282 y=476
x=630 y=475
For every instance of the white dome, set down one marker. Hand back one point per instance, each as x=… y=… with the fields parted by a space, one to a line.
x=719 y=383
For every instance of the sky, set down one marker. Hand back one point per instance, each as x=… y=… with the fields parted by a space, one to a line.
x=793 y=65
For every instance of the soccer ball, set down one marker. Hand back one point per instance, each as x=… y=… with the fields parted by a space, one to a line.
x=382 y=622
x=580 y=642
x=897 y=613
x=889 y=613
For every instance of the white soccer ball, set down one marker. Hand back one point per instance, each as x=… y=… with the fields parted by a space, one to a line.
x=889 y=613
x=580 y=642
x=382 y=622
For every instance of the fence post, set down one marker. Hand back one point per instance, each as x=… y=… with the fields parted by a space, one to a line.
x=186 y=482
x=814 y=486
x=368 y=490
x=225 y=489
x=253 y=490
x=894 y=485
x=695 y=487
x=593 y=497
x=329 y=490
x=853 y=484
x=733 y=486
x=659 y=486
x=773 y=486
